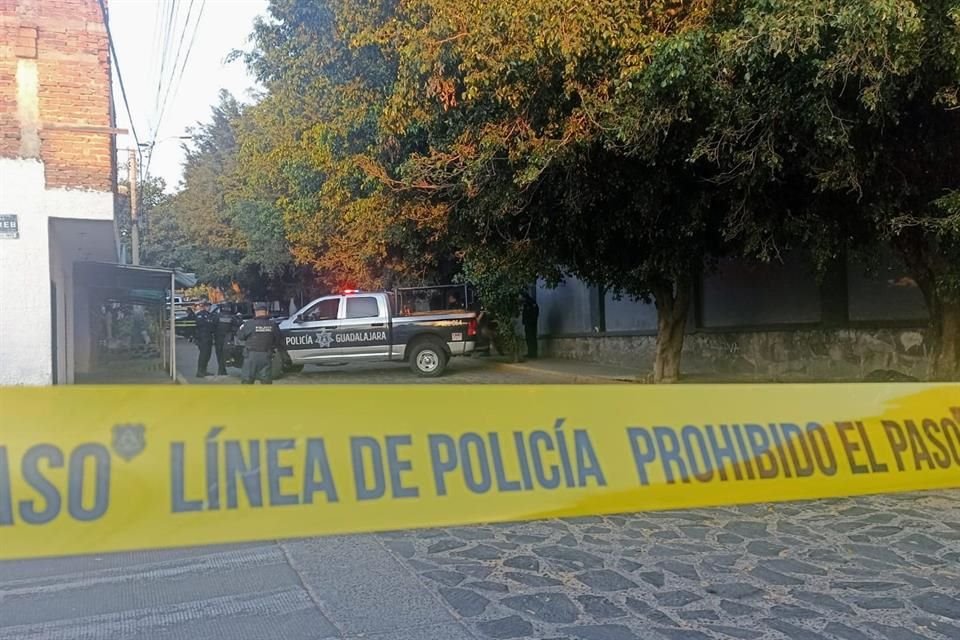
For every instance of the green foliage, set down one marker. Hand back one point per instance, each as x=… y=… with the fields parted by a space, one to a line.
x=313 y=144
x=152 y=197
x=514 y=104
x=630 y=145
x=216 y=225
x=833 y=126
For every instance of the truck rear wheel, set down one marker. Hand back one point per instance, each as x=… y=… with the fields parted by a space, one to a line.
x=428 y=358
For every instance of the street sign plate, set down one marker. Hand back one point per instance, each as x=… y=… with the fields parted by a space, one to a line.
x=9 y=227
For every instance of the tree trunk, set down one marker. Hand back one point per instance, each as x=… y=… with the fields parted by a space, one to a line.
x=925 y=265
x=946 y=356
x=673 y=304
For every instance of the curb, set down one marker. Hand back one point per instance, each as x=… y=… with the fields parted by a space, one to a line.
x=576 y=377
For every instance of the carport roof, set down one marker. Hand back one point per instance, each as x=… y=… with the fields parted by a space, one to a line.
x=130 y=283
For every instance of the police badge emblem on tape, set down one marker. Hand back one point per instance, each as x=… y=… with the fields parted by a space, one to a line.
x=129 y=440
x=89 y=470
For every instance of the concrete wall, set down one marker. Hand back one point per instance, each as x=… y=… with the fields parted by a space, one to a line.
x=849 y=323
x=627 y=314
x=25 y=349
x=565 y=309
x=884 y=293
x=743 y=294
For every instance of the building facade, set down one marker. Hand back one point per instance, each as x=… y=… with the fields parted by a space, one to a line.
x=57 y=183
x=766 y=321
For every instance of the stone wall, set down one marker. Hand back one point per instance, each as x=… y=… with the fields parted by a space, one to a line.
x=804 y=354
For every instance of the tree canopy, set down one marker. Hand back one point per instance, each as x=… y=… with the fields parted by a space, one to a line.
x=628 y=144
x=216 y=225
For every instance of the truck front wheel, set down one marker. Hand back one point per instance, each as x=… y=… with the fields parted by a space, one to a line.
x=428 y=359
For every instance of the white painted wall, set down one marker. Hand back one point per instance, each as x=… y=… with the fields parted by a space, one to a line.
x=24 y=277
x=27 y=266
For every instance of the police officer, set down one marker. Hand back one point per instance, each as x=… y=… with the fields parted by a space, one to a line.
x=222 y=329
x=190 y=325
x=205 y=329
x=530 y=317
x=260 y=337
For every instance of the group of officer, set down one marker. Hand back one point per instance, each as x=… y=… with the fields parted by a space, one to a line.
x=260 y=337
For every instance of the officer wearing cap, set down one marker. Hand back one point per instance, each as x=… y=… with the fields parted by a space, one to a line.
x=205 y=328
x=260 y=337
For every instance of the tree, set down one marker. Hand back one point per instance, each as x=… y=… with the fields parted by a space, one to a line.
x=837 y=125
x=215 y=225
x=630 y=146
x=513 y=102
x=152 y=197
x=315 y=147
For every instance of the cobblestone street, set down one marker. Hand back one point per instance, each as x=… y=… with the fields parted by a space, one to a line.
x=872 y=567
x=879 y=567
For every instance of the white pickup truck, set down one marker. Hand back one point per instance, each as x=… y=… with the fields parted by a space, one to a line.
x=364 y=327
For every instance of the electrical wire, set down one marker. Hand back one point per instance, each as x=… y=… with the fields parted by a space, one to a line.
x=193 y=39
x=116 y=64
x=173 y=70
x=168 y=30
x=173 y=86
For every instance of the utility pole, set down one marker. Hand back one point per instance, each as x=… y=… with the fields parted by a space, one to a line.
x=134 y=221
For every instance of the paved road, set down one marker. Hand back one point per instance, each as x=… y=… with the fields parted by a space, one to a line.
x=460 y=371
x=882 y=568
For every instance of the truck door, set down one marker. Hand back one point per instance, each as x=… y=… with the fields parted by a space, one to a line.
x=312 y=336
x=364 y=330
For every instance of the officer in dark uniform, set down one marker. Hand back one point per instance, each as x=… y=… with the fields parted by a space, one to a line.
x=206 y=327
x=260 y=337
x=223 y=327
x=190 y=325
x=530 y=317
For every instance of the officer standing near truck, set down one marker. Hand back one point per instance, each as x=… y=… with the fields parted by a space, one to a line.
x=223 y=328
x=260 y=337
x=205 y=329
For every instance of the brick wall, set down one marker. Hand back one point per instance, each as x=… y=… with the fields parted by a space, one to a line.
x=9 y=128
x=67 y=41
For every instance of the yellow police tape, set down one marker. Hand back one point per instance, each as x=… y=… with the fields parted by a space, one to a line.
x=87 y=469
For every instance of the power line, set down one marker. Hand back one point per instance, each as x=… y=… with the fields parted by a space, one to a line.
x=193 y=38
x=173 y=87
x=116 y=64
x=157 y=41
x=173 y=71
x=167 y=38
